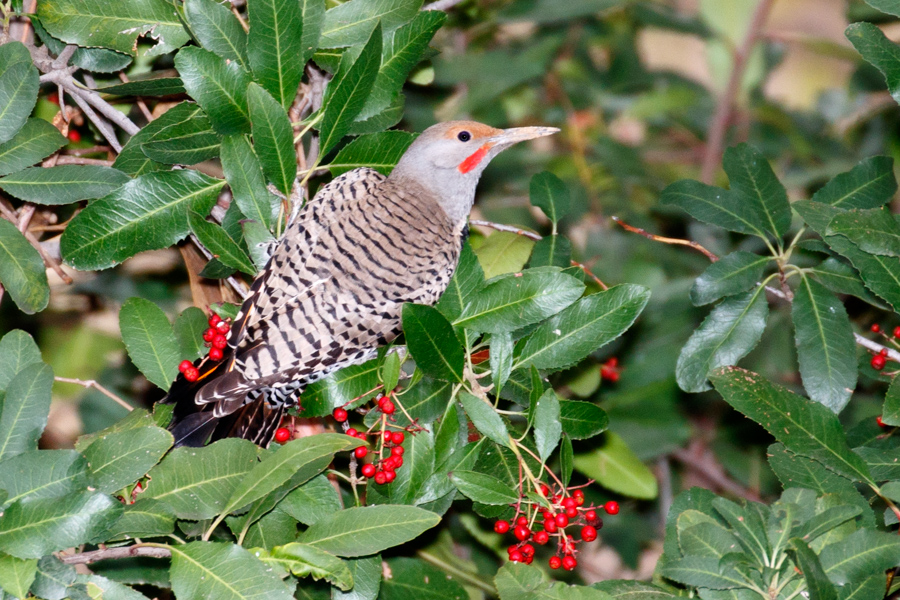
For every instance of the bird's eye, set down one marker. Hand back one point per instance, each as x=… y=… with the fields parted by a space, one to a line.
x=464 y=136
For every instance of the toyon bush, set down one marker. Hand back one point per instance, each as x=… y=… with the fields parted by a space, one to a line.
x=151 y=151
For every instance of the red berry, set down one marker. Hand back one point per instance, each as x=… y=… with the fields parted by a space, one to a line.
x=389 y=476
x=547 y=514
x=878 y=362
x=185 y=365
x=339 y=414
x=883 y=352
x=361 y=435
x=388 y=463
x=223 y=327
x=591 y=517
x=612 y=362
x=209 y=335
x=527 y=550
x=523 y=520
x=880 y=422
x=529 y=559
x=398 y=461
x=569 y=503
x=219 y=341
x=876 y=328
x=360 y=452
x=368 y=470
x=74 y=136
x=192 y=374
x=380 y=478
x=351 y=432
x=555 y=562
x=522 y=532
x=397 y=451
x=397 y=437
x=512 y=548
x=588 y=533
x=541 y=537
x=214 y=320
x=388 y=408
x=569 y=563
x=516 y=556
x=897 y=332
x=611 y=507
x=545 y=490
x=282 y=435
x=561 y=520
x=387 y=435
x=578 y=494
x=572 y=512
x=501 y=527
x=215 y=354
x=550 y=526
x=53 y=97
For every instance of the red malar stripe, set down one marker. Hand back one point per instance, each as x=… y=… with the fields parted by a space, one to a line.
x=472 y=161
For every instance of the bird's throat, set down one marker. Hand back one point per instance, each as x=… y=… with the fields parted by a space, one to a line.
x=474 y=159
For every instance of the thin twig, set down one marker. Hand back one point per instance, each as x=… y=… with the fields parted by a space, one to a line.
x=102 y=124
x=714 y=475
x=64 y=159
x=90 y=383
x=719 y=125
x=442 y=4
x=666 y=240
x=876 y=347
x=86 y=558
x=140 y=101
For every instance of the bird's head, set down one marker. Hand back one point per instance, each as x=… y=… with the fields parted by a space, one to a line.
x=448 y=159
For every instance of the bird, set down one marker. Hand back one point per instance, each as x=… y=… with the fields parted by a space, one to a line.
x=335 y=284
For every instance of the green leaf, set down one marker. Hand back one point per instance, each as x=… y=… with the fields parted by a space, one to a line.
x=313 y=501
x=501 y=357
x=351 y=23
x=518 y=582
x=366 y=574
x=298 y=460
x=184 y=143
x=390 y=370
x=748 y=526
x=402 y=50
x=566 y=459
x=483 y=488
x=415 y=579
x=859 y=555
x=513 y=302
x=23 y=414
x=552 y=251
x=340 y=388
x=147 y=517
x=276 y=47
x=223 y=571
x=504 y=252
x=825 y=345
x=873 y=230
x=156 y=86
x=53 y=578
x=727 y=335
x=582 y=328
x=245 y=177
x=43 y=474
x=217 y=29
x=222 y=247
x=95 y=586
x=150 y=341
x=467 y=279
x=550 y=194
x=383 y=120
x=361 y=531
x=259 y=242
x=147 y=213
x=218 y=86
x=702 y=571
x=17 y=351
x=379 y=151
x=62 y=184
x=878 y=50
x=705 y=539
x=625 y=589
x=307 y=561
x=724 y=208
x=485 y=418
x=418 y=467
x=804 y=426
x=22 y=270
x=750 y=175
x=35 y=527
x=433 y=343
x=733 y=274
x=132 y=159
x=121 y=458
x=825 y=521
x=189 y=328
x=614 y=466
x=19 y=84
x=36 y=140
x=547 y=424
x=841 y=278
x=197 y=482
x=891 y=412
x=869 y=184
x=891 y=7
x=313 y=21
x=17 y=575
x=114 y=25
x=273 y=138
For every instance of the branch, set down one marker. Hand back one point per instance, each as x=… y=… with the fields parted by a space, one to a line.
x=719 y=126
x=876 y=347
x=714 y=474
x=666 y=240
x=101 y=124
x=86 y=558
x=93 y=384
x=63 y=159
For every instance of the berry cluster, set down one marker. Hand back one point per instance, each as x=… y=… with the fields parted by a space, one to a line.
x=567 y=511
x=880 y=360
x=390 y=449
x=215 y=339
x=610 y=370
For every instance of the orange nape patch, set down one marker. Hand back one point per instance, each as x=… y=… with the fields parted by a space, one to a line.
x=473 y=159
x=478 y=130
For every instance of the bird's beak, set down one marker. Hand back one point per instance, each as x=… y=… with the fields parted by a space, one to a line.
x=515 y=135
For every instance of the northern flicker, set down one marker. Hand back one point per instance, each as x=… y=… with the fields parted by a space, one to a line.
x=333 y=289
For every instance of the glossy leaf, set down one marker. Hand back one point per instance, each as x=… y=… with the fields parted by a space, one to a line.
x=36 y=140
x=351 y=23
x=467 y=279
x=504 y=252
x=147 y=213
x=155 y=86
x=550 y=194
x=222 y=247
x=22 y=271
x=350 y=383
x=43 y=474
x=751 y=176
x=518 y=582
x=891 y=412
x=347 y=92
x=218 y=86
x=415 y=579
x=825 y=345
x=841 y=278
x=52 y=579
x=547 y=424
x=552 y=251
x=17 y=351
x=485 y=418
x=501 y=357
x=702 y=571
x=367 y=530
x=189 y=328
x=17 y=575
x=614 y=466
x=62 y=184
x=582 y=328
x=215 y=570
x=273 y=138
x=276 y=46
x=147 y=517
x=878 y=50
x=379 y=151
x=724 y=208
x=184 y=143
x=18 y=88
x=307 y=561
x=728 y=334
x=313 y=20
x=859 y=555
x=733 y=274
x=23 y=414
x=366 y=572
x=313 y=501
x=150 y=341
x=874 y=230
x=483 y=488
x=121 y=458
x=869 y=184
x=245 y=177
x=217 y=29
x=804 y=426
x=582 y=420
x=433 y=343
